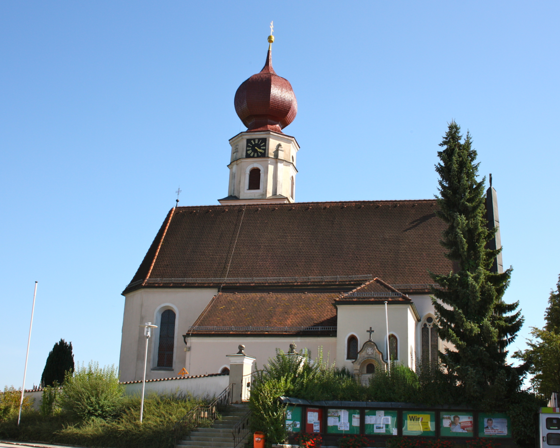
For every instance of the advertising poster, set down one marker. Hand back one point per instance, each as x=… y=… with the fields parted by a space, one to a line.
x=457 y=424
x=419 y=423
x=381 y=423
x=293 y=419
x=343 y=421
x=493 y=425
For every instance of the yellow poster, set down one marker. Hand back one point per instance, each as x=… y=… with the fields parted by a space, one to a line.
x=418 y=422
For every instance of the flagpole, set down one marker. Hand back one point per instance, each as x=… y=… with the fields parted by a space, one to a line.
x=27 y=354
x=387 y=328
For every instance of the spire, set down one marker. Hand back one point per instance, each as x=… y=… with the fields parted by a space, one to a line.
x=268 y=64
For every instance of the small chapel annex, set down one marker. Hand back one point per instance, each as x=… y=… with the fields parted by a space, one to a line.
x=262 y=270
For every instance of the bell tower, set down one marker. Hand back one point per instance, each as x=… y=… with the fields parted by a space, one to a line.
x=262 y=167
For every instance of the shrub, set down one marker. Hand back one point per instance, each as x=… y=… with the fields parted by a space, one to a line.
x=9 y=403
x=92 y=392
x=50 y=399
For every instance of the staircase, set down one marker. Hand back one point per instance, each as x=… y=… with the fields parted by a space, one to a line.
x=219 y=435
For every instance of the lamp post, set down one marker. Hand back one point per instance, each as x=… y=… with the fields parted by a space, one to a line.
x=147 y=332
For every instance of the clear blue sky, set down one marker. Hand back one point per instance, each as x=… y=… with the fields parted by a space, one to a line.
x=107 y=107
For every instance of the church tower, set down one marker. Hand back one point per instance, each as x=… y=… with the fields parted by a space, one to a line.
x=262 y=168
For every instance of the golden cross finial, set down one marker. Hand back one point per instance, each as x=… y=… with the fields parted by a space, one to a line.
x=271 y=37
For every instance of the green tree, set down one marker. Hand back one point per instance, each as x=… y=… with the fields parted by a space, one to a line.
x=470 y=310
x=92 y=392
x=59 y=361
x=543 y=354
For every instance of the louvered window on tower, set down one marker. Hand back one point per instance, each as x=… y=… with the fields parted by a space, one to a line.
x=254 y=179
x=166 y=339
x=352 y=347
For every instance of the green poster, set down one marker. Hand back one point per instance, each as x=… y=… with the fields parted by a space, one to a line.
x=494 y=424
x=457 y=424
x=343 y=421
x=381 y=422
x=419 y=423
x=293 y=419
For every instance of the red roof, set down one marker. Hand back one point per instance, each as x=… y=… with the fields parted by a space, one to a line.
x=268 y=312
x=302 y=243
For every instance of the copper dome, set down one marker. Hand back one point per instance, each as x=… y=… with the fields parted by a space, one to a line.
x=266 y=101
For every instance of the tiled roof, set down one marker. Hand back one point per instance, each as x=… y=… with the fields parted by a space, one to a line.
x=375 y=290
x=268 y=312
x=397 y=241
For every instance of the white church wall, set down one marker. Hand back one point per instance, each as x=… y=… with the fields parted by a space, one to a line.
x=410 y=360
x=145 y=305
x=208 y=354
x=356 y=319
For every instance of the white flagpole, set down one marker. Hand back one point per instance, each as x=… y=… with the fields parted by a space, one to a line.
x=387 y=327
x=27 y=354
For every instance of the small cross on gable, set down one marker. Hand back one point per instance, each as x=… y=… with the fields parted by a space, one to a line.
x=370 y=331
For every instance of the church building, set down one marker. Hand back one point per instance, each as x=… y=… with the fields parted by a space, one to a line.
x=348 y=279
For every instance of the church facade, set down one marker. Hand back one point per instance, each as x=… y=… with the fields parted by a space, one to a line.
x=349 y=280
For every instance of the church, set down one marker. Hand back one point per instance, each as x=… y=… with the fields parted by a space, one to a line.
x=348 y=280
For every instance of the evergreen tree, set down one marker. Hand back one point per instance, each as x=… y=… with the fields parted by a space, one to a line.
x=59 y=361
x=543 y=354
x=470 y=310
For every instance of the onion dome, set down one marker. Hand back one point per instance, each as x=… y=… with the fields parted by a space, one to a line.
x=266 y=101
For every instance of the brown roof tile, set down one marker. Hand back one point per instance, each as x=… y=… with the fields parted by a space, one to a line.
x=397 y=241
x=268 y=312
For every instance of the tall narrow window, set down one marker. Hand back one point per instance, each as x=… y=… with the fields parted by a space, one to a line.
x=352 y=347
x=166 y=339
x=429 y=342
x=393 y=348
x=255 y=179
x=292 y=191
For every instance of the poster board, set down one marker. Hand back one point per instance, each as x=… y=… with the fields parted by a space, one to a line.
x=457 y=424
x=314 y=420
x=419 y=423
x=381 y=422
x=494 y=424
x=343 y=421
x=293 y=419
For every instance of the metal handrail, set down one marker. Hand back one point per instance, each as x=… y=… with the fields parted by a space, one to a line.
x=241 y=430
x=204 y=413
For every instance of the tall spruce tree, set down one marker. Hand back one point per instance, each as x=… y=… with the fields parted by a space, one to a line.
x=59 y=361
x=470 y=310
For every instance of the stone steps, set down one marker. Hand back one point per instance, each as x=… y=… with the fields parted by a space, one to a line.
x=219 y=435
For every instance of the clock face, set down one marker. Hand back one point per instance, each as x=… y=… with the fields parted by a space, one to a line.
x=256 y=147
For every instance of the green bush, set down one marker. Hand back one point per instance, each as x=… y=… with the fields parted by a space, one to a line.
x=92 y=392
x=50 y=399
x=161 y=413
x=9 y=403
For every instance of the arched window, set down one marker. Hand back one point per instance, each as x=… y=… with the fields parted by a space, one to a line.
x=255 y=179
x=352 y=347
x=393 y=348
x=224 y=371
x=429 y=342
x=292 y=188
x=370 y=368
x=166 y=339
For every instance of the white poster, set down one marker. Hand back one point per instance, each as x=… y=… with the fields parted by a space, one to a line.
x=356 y=420
x=387 y=420
x=312 y=417
x=316 y=426
x=379 y=428
x=332 y=421
x=344 y=426
x=343 y=416
x=288 y=415
x=370 y=419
